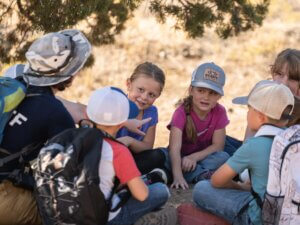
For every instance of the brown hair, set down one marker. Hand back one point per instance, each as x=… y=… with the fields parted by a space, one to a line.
x=190 y=128
x=150 y=70
x=291 y=57
x=63 y=85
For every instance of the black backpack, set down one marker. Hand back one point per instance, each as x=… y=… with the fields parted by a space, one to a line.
x=67 y=179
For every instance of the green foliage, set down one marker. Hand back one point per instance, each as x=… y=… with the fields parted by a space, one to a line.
x=103 y=19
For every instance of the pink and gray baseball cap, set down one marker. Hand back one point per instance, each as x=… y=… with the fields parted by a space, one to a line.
x=209 y=75
x=55 y=57
x=110 y=106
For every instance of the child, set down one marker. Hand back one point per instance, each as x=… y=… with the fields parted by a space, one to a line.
x=285 y=70
x=197 y=129
x=269 y=106
x=144 y=87
x=109 y=108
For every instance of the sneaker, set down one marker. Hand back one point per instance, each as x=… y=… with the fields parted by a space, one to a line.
x=203 y=176
x=155 y=176
x=165 y=216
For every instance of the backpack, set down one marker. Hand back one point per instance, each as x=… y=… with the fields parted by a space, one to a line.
x=12 y=92
x=281 y=205
x=67 y=179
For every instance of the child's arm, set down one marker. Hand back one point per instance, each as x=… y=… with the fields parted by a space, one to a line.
x=138 y=188
x=222 y=178
x=77 y=110
x=174 y=151
x=218 y=141
x=138 y=146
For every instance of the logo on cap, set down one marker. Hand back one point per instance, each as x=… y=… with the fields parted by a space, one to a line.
x=212 y=75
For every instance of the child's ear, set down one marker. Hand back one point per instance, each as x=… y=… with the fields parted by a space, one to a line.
x=263 y=118
x=128 y=84
x=190 y=89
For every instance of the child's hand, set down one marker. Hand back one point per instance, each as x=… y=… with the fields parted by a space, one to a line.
x=188 y=164
x=179 y=182
x=133 y=125
x=126 y=140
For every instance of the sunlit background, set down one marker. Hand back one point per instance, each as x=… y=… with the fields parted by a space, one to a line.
x=246 y=59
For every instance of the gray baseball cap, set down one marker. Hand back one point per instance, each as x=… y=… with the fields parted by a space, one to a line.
x=55 y=57
x=209 y=75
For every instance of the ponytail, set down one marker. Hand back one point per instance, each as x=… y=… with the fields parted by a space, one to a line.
x=190 y=128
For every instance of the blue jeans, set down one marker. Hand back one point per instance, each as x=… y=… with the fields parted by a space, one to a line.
x=210 y=163
x=229 y=204
x=231 y=145
x=134 y=209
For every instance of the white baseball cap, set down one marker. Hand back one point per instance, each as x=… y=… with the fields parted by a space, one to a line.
x=269 y=98
x=110 y=106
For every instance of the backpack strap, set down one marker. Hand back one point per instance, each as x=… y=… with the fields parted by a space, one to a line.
x=256 y=196
x=284 y=152
x=88 y=123
x=25 y=151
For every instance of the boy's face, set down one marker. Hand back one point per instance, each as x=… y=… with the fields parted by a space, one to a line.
x=282 y=77
x=254 y=119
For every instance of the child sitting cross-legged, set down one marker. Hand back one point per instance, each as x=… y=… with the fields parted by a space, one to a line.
x=198 y=128
x=108 y=108
x=269 y=108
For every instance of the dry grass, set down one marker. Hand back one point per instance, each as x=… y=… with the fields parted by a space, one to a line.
x=245 y=59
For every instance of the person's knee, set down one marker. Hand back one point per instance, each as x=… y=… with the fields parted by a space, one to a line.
x=201 y=190
x=167 y=163
x=158 y=156
x=222 y=157
x=159 y=193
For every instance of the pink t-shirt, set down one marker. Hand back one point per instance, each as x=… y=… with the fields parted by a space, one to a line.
x=216 y=119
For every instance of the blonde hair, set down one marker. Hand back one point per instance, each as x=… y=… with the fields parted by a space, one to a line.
x=291 y=57
x=190 y=128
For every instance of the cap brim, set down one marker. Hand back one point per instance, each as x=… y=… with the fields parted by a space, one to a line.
x=208 y=86
x=82 y=50
x=240 y=100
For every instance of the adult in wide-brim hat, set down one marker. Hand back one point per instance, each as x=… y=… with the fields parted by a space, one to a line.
x=56 y=57
x=52 y=61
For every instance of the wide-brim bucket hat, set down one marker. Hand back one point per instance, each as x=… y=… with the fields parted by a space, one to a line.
x=56 y=57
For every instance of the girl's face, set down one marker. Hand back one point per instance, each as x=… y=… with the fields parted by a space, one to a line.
x=143 y=91
x=203 y=99
x=282 y=77
x=253 y=119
